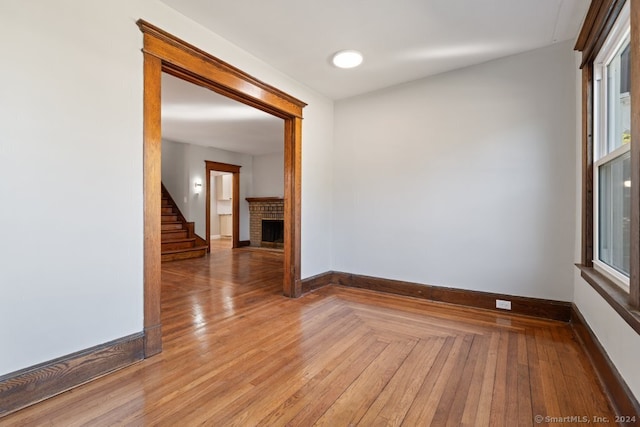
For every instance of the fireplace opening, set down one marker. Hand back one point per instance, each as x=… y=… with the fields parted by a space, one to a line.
x=273 y=233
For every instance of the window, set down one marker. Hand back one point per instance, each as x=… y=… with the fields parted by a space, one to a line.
x=612 y=156
x=610 y=250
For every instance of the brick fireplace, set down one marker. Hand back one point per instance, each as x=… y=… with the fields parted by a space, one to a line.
x=264 y=215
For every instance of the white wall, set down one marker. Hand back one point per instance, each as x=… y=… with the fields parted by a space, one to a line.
x=268 y=175
x=317 y=190
x=182 y=164
x=619 y=340
x=465 y=179
x=71 y=262
x=214 y=217
x=175 y=173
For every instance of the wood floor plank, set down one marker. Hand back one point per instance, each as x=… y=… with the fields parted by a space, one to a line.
x=525 y=407
x=351 y=406
x=244 y=379
x=512 y=378
x=560 y=384
x=309 y=402
x=236 y=352
x=436 y=383
x=480 y=415
x=464 y=396
x=392 y=404
x=500 y=393
x=276 y=387
x=538 y=406
x=551 y=404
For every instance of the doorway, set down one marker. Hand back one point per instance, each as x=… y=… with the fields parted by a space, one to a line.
x=164 y=52
x=226 y=192
x=220 y=212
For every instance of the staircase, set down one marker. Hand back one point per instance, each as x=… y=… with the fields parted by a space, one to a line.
x=179 y=240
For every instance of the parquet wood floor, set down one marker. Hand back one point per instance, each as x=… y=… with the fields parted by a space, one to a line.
x=237 y=353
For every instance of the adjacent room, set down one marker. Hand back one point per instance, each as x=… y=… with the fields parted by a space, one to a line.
x=207 y=140
x=418 y=212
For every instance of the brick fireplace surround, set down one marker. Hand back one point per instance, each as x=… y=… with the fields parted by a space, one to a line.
x=263 y=208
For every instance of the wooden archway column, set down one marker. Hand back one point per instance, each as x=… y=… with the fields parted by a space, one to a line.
x=164 y=52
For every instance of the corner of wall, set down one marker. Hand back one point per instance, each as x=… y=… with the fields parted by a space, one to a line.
x=619 y=340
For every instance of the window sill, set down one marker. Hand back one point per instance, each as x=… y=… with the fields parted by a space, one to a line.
x=612 y=294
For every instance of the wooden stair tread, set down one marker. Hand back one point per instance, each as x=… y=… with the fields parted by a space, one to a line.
x=178 y=240
x=194 y=249
x=168 y=234
x=175 y=230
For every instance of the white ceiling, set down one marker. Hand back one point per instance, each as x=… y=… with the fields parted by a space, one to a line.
x=402 y=40
x=195 y=115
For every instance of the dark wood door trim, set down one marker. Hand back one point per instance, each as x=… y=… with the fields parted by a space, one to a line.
x=235 y=199
x=292 y=206
x=152 y=151
x=164 y=52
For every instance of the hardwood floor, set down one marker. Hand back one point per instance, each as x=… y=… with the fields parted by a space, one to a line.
x=221 y=243
x=237 y=353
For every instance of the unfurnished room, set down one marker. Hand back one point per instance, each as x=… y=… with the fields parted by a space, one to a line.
x=408 y=212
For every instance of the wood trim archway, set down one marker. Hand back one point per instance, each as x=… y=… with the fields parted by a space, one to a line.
x=164 y=52
x=235 y=199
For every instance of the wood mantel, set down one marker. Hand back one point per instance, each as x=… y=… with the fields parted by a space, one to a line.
x=264 y=199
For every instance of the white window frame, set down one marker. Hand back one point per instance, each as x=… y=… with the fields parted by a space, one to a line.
x=617 y=36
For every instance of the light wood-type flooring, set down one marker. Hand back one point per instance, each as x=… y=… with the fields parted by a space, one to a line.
x=237 y=353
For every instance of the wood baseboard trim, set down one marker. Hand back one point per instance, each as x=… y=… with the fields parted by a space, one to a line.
x=615 y=388
x=315 y=282
x=34 y=384
x=152 y=340
x=547 y=309
x=243 y=243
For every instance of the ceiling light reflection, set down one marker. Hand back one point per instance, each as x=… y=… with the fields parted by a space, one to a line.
x=457 y=51
x=200 y=112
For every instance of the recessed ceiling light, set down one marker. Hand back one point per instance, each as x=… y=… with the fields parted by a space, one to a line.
x=347 y=59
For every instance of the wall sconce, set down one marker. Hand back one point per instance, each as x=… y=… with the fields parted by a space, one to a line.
x=197 y=186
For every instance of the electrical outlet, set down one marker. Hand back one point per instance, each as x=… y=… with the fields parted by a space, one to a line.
x=502 y=304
